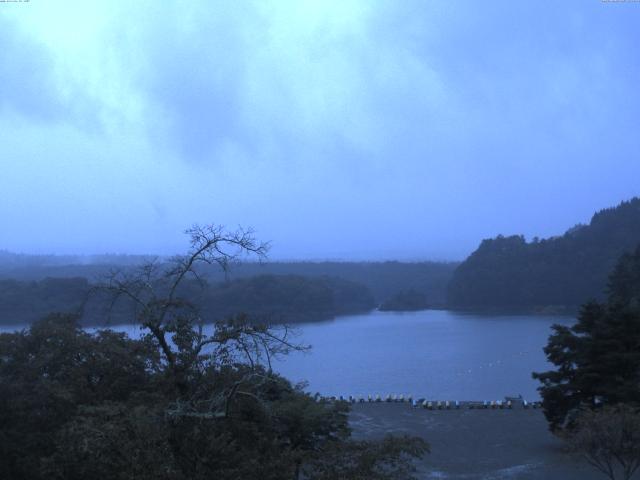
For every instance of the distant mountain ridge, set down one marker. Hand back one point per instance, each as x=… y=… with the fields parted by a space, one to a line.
x=509 y=272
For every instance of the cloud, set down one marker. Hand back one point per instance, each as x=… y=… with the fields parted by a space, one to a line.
x=28 y=78
x=321 y=123
x=289 y=79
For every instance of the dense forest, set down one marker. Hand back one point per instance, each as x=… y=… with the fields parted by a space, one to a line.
x=25 y=302
x=287 y=298
x=509 y=272
x=264 y=298
x=80 y=406
x=384 y=279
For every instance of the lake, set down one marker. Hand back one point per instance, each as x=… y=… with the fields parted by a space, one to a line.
x=436 y=354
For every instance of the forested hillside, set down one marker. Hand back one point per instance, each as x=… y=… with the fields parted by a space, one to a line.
x=267 y=298
x=509 y=272
x=384 y=279
x=287 y=298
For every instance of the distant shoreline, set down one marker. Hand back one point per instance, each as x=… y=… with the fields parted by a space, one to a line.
x=312 y=319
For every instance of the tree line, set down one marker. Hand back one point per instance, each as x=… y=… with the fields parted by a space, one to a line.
x=509 y=272
x=383 y=278
x=271 y=298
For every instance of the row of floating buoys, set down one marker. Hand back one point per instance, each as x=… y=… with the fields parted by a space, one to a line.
x=386 y=399
x=431 y=404
x=493 y=405
x=361 y=399
x=437 y=405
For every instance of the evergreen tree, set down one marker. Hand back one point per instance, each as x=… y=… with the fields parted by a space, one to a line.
x=597 y=359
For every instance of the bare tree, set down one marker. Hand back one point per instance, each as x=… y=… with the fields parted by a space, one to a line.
x=609 y=440
x=162 y=297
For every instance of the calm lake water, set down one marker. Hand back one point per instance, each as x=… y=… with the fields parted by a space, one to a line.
x=434 y=354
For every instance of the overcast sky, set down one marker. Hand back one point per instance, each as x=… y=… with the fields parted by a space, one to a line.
x=337 y=129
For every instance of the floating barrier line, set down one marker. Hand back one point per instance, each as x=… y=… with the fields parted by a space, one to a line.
x=506 y=404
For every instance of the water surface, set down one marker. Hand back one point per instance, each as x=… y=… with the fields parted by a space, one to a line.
x=433 y=354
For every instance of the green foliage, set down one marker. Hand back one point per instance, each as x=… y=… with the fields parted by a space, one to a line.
x=46 y=373
x=77 y=405
x=598 y=359
x=559 y=271
x=111 y=440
